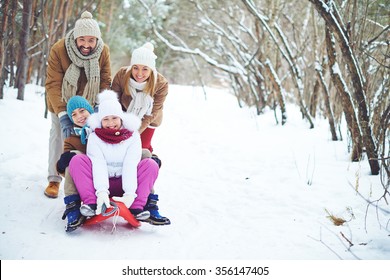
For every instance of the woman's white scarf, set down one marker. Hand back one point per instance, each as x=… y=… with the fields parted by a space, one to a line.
x=142 y=103
x=90 y=63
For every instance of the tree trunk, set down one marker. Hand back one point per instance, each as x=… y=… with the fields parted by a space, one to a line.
x=4 y=11
x=51 y=33
x=346 y=101
x=277 y=89
x=41 y=76
x=23 y=55
x=258 y=91
x=314 y=99
x=315 y=96
x=329 y=13
x=10 y=53
x=65 y=19
x=328 y=109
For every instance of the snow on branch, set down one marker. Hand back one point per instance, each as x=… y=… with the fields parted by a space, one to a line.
x=235 y=69
x=331 y=15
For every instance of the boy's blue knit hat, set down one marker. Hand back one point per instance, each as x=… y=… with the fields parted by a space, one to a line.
x=77 y=102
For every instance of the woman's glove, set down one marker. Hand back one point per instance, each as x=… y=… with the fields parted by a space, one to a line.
x=66 y=126
x=102 y=199
x=127 y=199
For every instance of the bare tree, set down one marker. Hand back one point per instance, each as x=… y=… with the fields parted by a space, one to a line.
x=285 y=50
x=346 y=99
x=3 y=23
x=11 y=44
x=330 y=14
x=328 y=108
x=23 y=55
x=279 y=91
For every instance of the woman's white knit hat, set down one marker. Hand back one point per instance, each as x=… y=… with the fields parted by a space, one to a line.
x=86 y=26
x=145 y=56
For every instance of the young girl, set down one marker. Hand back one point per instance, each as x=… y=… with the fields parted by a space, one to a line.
x=142 y=91
x=112 y=166
x=78 y=110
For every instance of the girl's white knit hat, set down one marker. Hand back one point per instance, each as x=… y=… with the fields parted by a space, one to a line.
x=145 y=56
x=109 y=106
x=86 y=26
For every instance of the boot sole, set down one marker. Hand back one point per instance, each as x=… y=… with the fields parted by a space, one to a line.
x=142 y=216
x=87 y=212
x=157 y=223
x=50 y=196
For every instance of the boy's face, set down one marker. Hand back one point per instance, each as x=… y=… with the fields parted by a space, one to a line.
x=113 y=122
x=140 y=72
x=79 y=116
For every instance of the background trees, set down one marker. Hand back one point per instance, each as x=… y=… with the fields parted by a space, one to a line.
x=331 y=58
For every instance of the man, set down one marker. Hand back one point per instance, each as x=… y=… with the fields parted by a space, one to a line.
x=79 y=64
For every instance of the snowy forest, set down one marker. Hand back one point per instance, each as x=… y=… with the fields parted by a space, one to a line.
x=329 y=58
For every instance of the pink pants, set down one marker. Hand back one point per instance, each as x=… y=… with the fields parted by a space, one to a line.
x=80 y=168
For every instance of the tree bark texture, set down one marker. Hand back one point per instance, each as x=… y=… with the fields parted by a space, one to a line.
x=328 y=108
x=278 y=92
x=346 y=101
x=4 y=11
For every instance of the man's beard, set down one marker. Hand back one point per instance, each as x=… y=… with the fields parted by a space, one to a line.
x=90 y=50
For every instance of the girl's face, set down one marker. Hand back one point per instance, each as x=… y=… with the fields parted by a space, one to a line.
x=113 y=122
x=140 y=72
x=80 y=116
x=86 y=44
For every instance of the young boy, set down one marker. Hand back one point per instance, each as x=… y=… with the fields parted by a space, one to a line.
x=78 y=110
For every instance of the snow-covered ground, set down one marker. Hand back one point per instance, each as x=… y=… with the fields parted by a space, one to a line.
x=236 y=186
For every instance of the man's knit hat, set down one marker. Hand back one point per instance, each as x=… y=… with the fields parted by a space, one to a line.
x=86 y=26
x=77 y=102
x=145 y=56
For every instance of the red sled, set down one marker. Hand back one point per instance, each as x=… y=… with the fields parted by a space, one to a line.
x=118 y=209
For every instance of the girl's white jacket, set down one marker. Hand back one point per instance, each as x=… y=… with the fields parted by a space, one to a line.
x=115 y=160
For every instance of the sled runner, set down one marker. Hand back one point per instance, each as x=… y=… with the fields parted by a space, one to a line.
x=118 y=209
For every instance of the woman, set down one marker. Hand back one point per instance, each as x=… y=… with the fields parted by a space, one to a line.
x=142 y=91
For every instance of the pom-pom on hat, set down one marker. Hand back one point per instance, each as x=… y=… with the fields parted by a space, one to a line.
x=145 y=56
x=86 y=26
x=110 y=106
x=77 y=102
